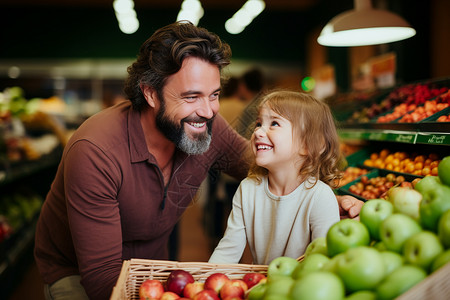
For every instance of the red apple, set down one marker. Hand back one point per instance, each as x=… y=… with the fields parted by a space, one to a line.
x=206 y=295
x=252 y=279
x=234 y=288
x=177 y=280
x=151 y=289
x=193 y=288
x=169 y=296
x=215 y=282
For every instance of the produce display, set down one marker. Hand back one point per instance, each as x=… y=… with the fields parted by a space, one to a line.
x=398 y=242
x=16 y=210
x=350 y=174
x=427 y=110
x=411 y=94
x=403 y=162
x=377 y=187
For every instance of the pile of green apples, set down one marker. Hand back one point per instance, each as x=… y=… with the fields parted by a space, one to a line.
x=396 y=244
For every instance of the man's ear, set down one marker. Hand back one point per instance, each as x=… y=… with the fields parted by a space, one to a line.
x=150 y=95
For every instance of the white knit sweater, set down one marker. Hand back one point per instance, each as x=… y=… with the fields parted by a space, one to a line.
x=274 y=225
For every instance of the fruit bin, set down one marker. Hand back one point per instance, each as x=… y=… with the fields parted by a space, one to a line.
x=135 y=271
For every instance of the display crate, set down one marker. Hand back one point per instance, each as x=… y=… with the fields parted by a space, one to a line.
x=135 y=271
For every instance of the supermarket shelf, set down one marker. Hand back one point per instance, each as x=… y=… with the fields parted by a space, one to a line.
x=410 y=137
x=10 y=172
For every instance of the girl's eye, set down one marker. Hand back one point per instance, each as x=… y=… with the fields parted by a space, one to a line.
x=275 y=123
x=257 y=125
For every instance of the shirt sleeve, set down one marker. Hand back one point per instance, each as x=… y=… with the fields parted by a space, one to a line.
x=232 y=245
x=324 y=212
x=91 y=184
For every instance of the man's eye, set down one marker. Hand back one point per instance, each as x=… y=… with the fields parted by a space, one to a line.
x=215 y=96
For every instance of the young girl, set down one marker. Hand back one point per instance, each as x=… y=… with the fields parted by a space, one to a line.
x=286 y=201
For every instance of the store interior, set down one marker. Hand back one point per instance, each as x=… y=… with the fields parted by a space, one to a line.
x=72 y=56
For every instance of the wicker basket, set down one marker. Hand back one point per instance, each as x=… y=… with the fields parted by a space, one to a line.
x=135 y=271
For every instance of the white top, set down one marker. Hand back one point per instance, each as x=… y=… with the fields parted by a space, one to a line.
x=274 y=225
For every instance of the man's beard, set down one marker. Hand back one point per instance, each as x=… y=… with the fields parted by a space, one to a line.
x=198 y=144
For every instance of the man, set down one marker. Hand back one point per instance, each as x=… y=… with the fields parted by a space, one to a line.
x=129 y=172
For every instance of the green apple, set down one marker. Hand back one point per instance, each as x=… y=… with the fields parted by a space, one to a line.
x=318 y=285
x=362 y=295
x=361 y=268
x=421 y=249
x=434 y=203
x=444 y=229
x=405 y=201
x=380 y=246
x=257 y=292
x=373 y=212
x=281 y=266
x=444 y=170
x=277 y=297
x=441 y=260
x=319 y=245
x=427 y=183
x=280 y=286
x=346 y=234
x=399 y=281
x=392 y=260
x=331 y=265
x=311 y=263
x=396 y=229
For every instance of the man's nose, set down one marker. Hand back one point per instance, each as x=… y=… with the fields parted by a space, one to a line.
x=205 y=109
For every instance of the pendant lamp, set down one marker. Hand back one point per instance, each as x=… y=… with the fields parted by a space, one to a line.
x=364 y=26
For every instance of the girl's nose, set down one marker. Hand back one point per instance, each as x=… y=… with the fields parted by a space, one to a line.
x=260 y=131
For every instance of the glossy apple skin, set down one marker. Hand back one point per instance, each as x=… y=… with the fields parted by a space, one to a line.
x=396 y=229
x=318 y=286
x=251 y=279
x=373 y=213
x=361 y=268
x=444 y=229
x=422 y=249
x=206 y=295
x=151 y=289
x=281 y=266
x=346 y=234
x=193 y=288
x=169 y=296
x=215 y=282
x=177 y=280
x=399 y=281
x=234 y=288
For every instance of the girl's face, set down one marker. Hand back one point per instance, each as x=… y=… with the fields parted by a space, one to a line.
x=272 y=141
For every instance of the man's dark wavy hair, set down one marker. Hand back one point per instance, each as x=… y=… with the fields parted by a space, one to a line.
x=163 y=53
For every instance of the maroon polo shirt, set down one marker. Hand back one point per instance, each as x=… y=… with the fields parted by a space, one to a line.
x=108 y=202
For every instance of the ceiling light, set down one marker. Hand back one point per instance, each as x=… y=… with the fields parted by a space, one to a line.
x=364 y=26
x=244 y=16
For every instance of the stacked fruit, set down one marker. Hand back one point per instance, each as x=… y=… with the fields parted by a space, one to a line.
x=397 y=244
x=377 y=187
x=427 y=110
x=417 y=164
x=181 y=285
x=412 y=94
x=350 y=174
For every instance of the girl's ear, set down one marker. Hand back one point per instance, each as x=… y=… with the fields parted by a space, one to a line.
x=149 y=95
